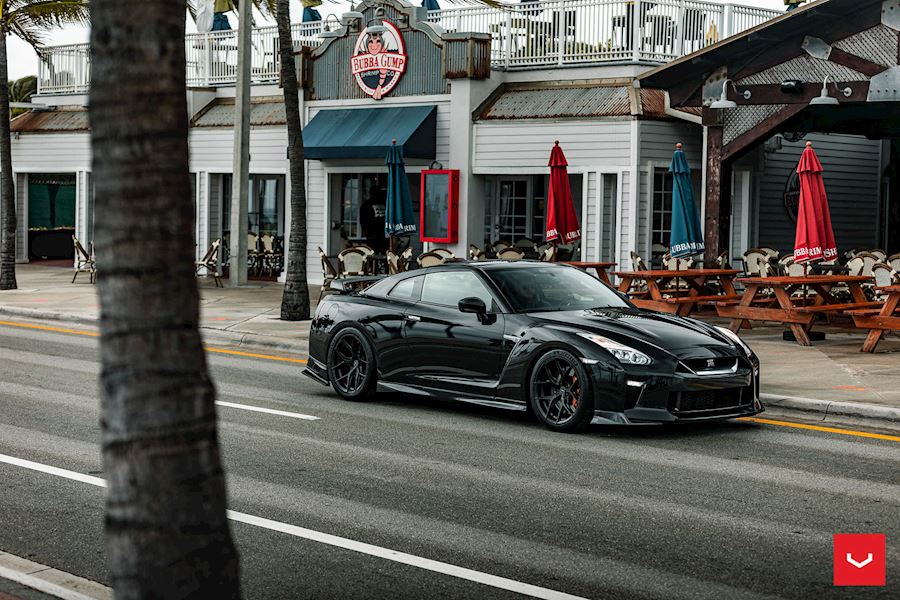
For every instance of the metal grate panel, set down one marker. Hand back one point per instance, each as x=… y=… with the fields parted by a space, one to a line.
x=744 y=118
x=805 y=68
x=878 y=44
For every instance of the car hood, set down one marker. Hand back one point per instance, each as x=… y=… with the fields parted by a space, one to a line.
x=682 y=337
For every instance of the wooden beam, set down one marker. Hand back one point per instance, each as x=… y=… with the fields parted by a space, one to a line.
x=770 y=93
x=761 y=132
x=857 y=63
x=717 y=227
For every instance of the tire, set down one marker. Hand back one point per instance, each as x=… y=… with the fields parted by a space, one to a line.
x=351 y=365
x=559 y=392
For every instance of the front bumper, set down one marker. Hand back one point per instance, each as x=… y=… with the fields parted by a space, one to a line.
x=645 y=397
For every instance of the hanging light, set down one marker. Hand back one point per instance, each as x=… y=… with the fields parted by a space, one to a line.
x=723 y=102
x=376 y=25
x=330 y=27
x=824 y=99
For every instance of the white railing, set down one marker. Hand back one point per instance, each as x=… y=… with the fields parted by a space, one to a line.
x=543 y=33
x=559 y=32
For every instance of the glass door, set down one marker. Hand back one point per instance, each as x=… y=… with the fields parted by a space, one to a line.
x=512 y=209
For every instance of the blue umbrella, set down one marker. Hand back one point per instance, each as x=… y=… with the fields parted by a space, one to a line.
x=687 y=236
x=311 y=15
x=431 y=5
x=398 y=215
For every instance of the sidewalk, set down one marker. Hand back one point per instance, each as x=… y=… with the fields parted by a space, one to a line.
x=831 y=381
x=22 y=579
x=248 y=315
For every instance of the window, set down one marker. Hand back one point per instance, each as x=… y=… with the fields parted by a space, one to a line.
x=661 y=225
x=406 y=289
x=449 y=287
x=553 y=287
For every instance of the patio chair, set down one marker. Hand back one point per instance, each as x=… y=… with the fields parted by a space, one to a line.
x=881 y=254
x=794 y=269
x=365 y=248
x=869 y=261
x=722 y=261
x=430 y=259
x=475 y=253
x=894 y=261
x=84 y=262
x=856 y=265
x=772 y=253
x=393 y=262
x=443 y=252
x=851 y=253
x=885 y=275
x=673 y=264
x=500 y=245
x=754 y=259
x=329 y=274
x=548 y=254
x=510 y=254
x=353 y=261
x=637 y=263
x=210 y=262
x=525 y=245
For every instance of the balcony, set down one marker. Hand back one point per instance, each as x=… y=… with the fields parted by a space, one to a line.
x=542 y=34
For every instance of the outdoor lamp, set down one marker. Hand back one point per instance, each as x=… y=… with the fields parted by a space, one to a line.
x=330 y=27
x=376 y=25
x=723 y=101
x=351 y=19
x=824 y=99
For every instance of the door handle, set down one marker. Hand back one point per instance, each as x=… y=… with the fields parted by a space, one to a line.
x=413 y=318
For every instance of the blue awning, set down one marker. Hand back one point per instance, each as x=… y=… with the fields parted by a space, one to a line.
x=367 y=132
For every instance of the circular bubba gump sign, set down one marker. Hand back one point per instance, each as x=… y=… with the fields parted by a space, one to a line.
x=378 y=61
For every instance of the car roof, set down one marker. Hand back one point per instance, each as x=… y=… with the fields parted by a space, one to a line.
x=489 y=265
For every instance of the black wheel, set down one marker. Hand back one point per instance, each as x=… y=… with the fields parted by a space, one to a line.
x=351 y=365
x=560 y=392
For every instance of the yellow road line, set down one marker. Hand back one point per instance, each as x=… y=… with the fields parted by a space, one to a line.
x=865 y=434
x=207 y=348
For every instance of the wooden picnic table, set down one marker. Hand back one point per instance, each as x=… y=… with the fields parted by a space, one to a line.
x=879 y=320
x=797 y=314
x=681 y=301
x=598 y=267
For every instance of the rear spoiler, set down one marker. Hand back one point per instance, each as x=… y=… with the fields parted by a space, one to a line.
x=348 y=285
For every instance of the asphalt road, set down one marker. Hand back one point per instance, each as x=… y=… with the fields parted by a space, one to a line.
x=726 y=511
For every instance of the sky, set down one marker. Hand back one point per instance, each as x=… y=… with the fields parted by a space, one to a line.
x=23 y=61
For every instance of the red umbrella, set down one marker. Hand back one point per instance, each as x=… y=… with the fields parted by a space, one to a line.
x=815 y=239
x=562 y=223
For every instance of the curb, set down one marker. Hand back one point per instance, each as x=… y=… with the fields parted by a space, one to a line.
x=299 y=345
x=828 y=411
x=50 y=581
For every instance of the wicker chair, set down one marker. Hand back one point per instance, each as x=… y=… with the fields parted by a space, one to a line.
x=209 y=262
x=395 y=265
x=637 y=263
x=443 y=252
x=548 y=254
x=510 y=253
x=328 y=272
x=84 y=262
x=475 y=253
x=894 y=261
x=354 y=261
x=885 y=275
x=430 y=259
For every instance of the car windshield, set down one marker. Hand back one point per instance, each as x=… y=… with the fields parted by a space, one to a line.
x=550 y=287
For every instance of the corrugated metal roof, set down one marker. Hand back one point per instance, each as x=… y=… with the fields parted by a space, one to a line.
x=64 y=118
x=559 y=102
x=653 y=103
x=267 y=110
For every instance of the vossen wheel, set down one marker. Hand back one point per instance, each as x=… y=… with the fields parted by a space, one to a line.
x=351 y=365
x=560 y=393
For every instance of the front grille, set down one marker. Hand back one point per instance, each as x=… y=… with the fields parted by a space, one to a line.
x=708 y=400
x=701 y=366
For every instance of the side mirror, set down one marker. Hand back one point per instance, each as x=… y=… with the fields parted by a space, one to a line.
x=472 y=305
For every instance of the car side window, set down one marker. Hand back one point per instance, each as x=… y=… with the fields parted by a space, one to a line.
x=408 y=289
x=449 y=287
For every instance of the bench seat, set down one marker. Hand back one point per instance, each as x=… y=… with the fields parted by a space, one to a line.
x=824 y=308
x=714 y=299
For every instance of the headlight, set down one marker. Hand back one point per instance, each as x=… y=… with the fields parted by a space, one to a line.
x=736 y=339
x=624 y=354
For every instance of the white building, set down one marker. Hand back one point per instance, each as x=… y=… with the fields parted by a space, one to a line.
x=483 y=91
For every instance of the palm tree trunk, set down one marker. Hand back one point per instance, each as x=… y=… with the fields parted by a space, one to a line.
x=295 y=300
x=166 y=528
x=7 y=186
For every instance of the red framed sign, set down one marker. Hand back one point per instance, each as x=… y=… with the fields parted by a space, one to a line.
x=439 y=206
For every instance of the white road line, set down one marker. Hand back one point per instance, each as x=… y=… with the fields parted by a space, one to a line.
x=340 y=542
x=42 y=585
x=270 y=411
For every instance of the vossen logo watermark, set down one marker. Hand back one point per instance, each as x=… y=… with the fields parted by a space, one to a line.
x=379 y=60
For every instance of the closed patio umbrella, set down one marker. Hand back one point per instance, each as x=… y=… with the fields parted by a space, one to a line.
x=686 y=238
x=814 y=239
x=398 y=217
x=431 y=5
x=310 y=14
x=562 y=222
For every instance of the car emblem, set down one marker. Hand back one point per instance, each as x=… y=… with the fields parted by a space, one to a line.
x=710 y=362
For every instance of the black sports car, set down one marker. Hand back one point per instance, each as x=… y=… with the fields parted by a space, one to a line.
x=528 y=335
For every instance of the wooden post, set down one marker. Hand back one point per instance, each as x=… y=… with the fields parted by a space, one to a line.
x=717 y=228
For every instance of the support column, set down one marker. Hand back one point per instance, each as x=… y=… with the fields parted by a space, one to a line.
x=237 y=269
x=718 y=195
